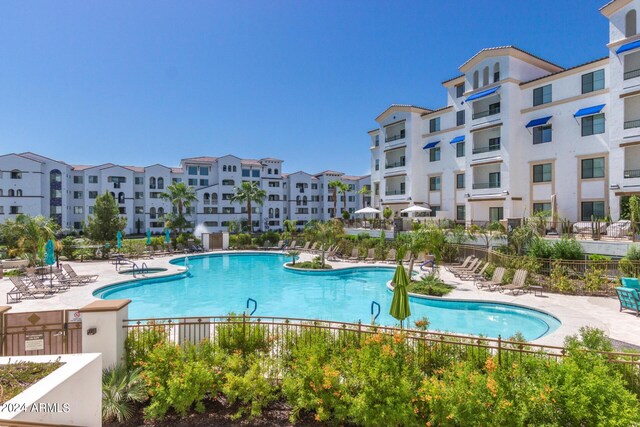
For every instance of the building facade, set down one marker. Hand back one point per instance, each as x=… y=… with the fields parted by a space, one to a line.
x=37 y=185
x=517 y=130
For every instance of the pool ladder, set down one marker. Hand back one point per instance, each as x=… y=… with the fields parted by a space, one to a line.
x=374 y=317
x=143 y=269
x=255 y=306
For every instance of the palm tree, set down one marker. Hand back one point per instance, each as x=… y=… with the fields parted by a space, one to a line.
x=33 y=233
x=364 y=191
x=325 y=233
x=122 y=390
x=335 y=185
x=249 y=192
x=181 y=196
x=342 y=189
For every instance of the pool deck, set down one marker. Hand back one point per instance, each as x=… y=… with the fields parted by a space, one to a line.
x=573 y=311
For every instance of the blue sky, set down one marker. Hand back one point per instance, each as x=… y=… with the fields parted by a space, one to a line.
x=148 y=82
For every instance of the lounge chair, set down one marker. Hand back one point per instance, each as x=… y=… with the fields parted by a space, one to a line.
x=371 y=255
x=71 y=273
x=465 y=263
x=468 y=269
x=24 y=290
x=37 y=283
x=391 y=256
x=68 y=281
x=354 y=255
x=407 y=258
x=278 y=246
x=291 y=246
x=496 y=280
x=517 y=284
x=480 y=274
x=472 y=272
x=629 y=299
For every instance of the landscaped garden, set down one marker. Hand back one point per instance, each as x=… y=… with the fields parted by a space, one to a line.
x=16 y=377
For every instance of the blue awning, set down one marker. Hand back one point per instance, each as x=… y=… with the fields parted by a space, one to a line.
x=482 y=94
x=589 y=111
x=627 y=47
x=457 y=139
x=431 y=145
x=538 y=122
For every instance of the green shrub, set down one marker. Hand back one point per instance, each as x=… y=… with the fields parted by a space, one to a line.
x=122 y=389
x=243 y=336
x=311 y=265
x=540 y=248
x=560 y=279
x=630 y=264
x=243 y=240
x=430 y=285
x=68 y=244
x=567 y=249
x=248 y=381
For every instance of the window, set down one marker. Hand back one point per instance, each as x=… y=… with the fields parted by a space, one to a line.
x=314 y=186
x=192 y=182
x=630 y=23
x=460 y=118
x=93 y=194
x=152 y=183
x=139 y=195
x=434 y=183
x=275 y=171
x=494 y=180
x=377 y=164
x=542 y=134
x=204 y=170
x=434 y=125
x=139 y=209
x=93 y=179
x=460 y=149
x=204 y=182
x=226 y=196
x=459 y=90
x=592 y=125
x=192 y=170
x=255 y=173
x=485 y=76
x=15 y=174
x=77 y=194
x=460 y=180
x=542 y=173
x=91 y=209
x=593 y=168
x=55 y=194
x=475 y=79
x=496 y=72
x=377 y=141
x=139 y=180
x=176 y=180
x=496 y=214
x=224 y=168
x=160 y=183
x=593 y=81
x=592 y=210
x=460 y=213
x=78 y=210
x=434 y=154
x=19 y=193
x=11 y=193
x=78 y=179
x=246 y=172
x=274 y=184
x=234 y=168
x=376 y=188
x=14 y=210
x=541 y=207
x=542 y=95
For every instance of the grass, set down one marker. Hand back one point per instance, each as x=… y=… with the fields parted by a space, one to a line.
x=430 y=285
x=16 y=377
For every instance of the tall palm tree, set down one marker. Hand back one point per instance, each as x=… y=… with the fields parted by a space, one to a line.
x=334 y=185
x=181 y=196
x=33 y=233
x=248 y=193
x=342 y=189
x=325 y=233
x=365 y=191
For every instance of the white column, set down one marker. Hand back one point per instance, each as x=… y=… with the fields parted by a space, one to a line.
x=102 y=329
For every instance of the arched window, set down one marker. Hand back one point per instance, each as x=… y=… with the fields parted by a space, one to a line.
x=152 y=213
x=275 y=171
x=270 y=212
x=269 y=171
x=496 y=72
x=160 y=183
x=55 y=175
x=206 y=198
x=630 y=23
x=0 y=192
x=235 y=169
x=277 y=212
x=121 y=197
x=11 y=193
x=160 y=212
x=485 y=76
x=113 y=195
x=304 y=200
x=475 y=79
x=297 y=200
x=224 y=168
x=18 y=193
x=152 y=183
x=214 y=198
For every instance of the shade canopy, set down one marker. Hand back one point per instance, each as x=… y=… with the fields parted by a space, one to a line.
x=457 y=139
x=431 y=145
x=400 y=304
x=627 y=47
x=367 y=210
x=49 y=257
x=538 y=122
x=482 y=94
x=589 y=111
x=415 y=208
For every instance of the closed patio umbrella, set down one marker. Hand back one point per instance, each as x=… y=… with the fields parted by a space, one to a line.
x=50 y=257
x=167 y=236
x=400 y=304
x=119 y=239
x=148 y=236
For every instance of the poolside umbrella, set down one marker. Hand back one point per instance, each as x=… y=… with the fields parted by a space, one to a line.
x=415 y=208
x=367 y=210
x=167 y=236
x=148 y=236
x=400 y=304
x=119 y=239
x=50 y=257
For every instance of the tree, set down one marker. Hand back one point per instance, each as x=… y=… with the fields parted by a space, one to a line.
x=342 y=190
x=413 y=243
x=181 y=196
x=106 y=221
x=364 y=191
x=325 y=233
x=335 y=185
x=289 y=228
x=249 y=192
x=28 y=234
x=293 y=254
x=492 y=231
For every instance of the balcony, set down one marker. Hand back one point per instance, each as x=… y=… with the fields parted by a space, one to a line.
x=395 y=193
x=396 y=137
x=398 y=164
x=485 y=185
x=486 y=149
x=631 y=74
x=632 y=124
x=632 y=173
x=493 y=109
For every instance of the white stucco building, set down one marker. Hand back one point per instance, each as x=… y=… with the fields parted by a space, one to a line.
x=517 y=129
x=37 y=185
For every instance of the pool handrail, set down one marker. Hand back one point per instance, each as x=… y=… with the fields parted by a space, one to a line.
x=255 y=306
x=374 y=317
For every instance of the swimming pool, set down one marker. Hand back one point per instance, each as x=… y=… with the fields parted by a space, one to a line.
x=221 y=283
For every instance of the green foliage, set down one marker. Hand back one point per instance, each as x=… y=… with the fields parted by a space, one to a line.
x=68 y=244
x=248 y=381
x=249 y=193
x=106 y=221
x=181 y=196
x=568 y=249
x=560 y=279
x=595 y=279
x=134 y=247
x=269 y=236
x=293 y=254
x=122 y=389
x=387 y=213
x=27 y=235
x=540 y=248
x=430 y=285
x=630 y=264
x=315 y=264
x=243 y=335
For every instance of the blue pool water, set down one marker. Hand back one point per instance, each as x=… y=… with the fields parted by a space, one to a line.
x=219 y=284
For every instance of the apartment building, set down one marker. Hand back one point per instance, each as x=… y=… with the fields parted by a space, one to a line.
x=516 y=130
x=36 y=185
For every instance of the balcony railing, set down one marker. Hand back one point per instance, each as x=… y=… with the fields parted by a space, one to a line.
x=483 y=185
x=395 y=165
x=394 y=137
x=486 y=113
x=632 y=124
x=492 y=147
x=395 y=192
x=632 y=173
x=631 y=74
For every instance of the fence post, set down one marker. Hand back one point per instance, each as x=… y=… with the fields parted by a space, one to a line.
x=103 y=329
x=3 y=327
x=359 y=332
x=499 y=350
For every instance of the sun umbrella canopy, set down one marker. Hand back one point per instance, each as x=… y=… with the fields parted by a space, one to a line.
x=49 y=257
x=367 y=210
x=400 y=304
x=148 y=236
x=415 y=208
x=167 y=235
x=119 y=239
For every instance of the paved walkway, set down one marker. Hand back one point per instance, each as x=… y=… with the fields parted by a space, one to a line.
x=573 y=311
